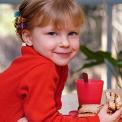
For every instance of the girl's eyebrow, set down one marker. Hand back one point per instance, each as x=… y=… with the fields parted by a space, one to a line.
x=74 y=29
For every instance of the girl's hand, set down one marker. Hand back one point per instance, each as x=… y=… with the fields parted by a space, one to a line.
x=24 y=119
x=105 y=117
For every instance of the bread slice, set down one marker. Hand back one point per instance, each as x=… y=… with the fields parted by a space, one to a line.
x=86 y=114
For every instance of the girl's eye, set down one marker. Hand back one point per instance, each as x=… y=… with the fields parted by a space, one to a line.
x=72 y=33
x=52 y=33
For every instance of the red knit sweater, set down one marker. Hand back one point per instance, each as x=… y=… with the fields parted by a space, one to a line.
x=32 y=87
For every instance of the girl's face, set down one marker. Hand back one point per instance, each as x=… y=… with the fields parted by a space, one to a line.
x=60 y=46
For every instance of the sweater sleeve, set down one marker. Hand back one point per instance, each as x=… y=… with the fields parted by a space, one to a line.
x=37 y=92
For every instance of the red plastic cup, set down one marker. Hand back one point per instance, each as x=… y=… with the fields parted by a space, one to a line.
x=89 y=92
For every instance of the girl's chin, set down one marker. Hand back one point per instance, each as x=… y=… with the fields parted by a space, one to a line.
x=61 y=63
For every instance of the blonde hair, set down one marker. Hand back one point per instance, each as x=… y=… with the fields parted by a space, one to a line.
x=41 y=12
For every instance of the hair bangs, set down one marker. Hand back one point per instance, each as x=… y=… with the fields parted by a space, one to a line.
x=65 y=20
x=62 y=16
x=41 y=20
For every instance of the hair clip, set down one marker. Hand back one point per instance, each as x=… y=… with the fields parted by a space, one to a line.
x=20 y=20
x=22 y=26
x=17 y=14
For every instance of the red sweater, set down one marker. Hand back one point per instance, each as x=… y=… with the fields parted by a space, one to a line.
x=32 y=87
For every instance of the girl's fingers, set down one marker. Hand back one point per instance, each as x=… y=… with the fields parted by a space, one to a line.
x=105 y=107
x=100 y=107
x=117 y=114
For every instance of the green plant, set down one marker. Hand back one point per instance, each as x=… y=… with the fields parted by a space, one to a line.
x=103 y=57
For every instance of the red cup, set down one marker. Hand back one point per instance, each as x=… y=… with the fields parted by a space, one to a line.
x=89 y=92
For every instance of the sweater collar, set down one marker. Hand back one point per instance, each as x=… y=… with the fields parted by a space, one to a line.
x=27 y=50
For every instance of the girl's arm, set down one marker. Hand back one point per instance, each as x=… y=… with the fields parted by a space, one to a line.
x=39 y=90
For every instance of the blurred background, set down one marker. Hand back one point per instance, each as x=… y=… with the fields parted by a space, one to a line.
x=100 y=53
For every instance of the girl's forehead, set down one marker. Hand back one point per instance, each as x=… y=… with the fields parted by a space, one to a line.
x=66 y=25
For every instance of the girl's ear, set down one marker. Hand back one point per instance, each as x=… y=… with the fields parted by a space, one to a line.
x=26 y=36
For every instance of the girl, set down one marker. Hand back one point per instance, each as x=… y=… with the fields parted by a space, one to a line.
x=33 y=84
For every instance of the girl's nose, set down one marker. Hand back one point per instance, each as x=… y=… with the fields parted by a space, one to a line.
x=64 y=42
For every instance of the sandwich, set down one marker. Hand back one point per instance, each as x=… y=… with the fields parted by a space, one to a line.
x=88 y=110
